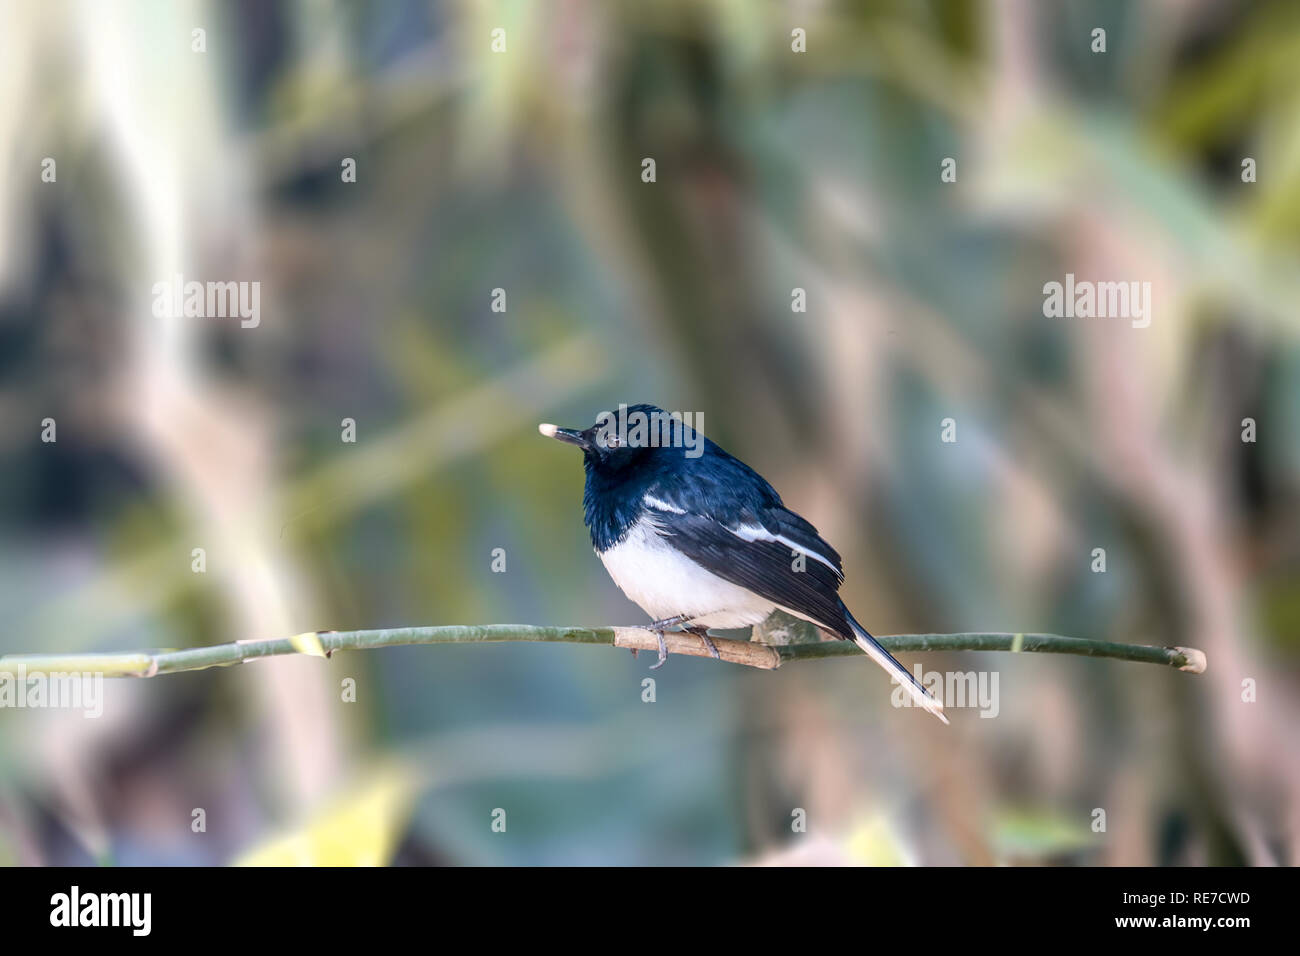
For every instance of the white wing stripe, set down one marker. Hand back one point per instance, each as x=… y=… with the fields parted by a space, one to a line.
x=753 y=532
x=650 y=501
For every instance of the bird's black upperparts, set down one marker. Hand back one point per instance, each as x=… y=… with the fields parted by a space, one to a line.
x=690 y=532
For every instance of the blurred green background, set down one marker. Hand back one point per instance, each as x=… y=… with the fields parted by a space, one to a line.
x=521 y=171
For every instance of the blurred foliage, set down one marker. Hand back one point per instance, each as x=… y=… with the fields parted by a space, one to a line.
x=521 y=171
x=361 y=829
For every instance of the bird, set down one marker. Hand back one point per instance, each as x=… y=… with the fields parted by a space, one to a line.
x=700 y=541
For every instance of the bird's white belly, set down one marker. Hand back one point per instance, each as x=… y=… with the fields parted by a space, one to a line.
x=665 y=583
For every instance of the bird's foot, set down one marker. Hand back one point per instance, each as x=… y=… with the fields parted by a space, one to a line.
x=659 y=627
x=683 y=621
x=703 y=634
x=663 y=651
x=668 y=622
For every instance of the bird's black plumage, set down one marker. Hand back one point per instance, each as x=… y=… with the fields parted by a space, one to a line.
x=715 y=491
x=662 y=509
x=764 y=567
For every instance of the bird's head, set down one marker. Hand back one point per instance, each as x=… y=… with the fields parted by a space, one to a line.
x=621 y=439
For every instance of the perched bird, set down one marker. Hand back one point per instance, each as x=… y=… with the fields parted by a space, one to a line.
x=700 y=540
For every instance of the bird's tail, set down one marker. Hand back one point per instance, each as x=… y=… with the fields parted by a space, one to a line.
x=895 y=670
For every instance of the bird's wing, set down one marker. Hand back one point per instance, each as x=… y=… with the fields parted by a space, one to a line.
x=782 y=525
x=779 y=557
x=739 y=499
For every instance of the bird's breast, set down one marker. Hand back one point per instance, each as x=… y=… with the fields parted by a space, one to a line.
x=664 y=582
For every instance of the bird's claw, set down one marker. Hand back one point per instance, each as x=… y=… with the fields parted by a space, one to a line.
x=663 y=651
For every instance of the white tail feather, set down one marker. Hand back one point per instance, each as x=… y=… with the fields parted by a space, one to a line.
x=872 y=648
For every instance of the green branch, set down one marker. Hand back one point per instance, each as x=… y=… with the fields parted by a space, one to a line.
x=749 y=653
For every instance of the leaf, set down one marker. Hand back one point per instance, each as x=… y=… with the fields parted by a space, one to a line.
x=874 y=842
x=1024 y=833
x=361 y=829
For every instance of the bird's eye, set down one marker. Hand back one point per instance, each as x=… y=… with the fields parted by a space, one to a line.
x=611 y=441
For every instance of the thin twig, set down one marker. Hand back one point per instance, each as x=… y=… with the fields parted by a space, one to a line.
x=748 y=653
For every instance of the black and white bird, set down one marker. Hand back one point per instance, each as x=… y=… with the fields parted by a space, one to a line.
x=700 y=540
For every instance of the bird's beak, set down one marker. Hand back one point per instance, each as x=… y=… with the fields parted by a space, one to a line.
x=570 y=436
